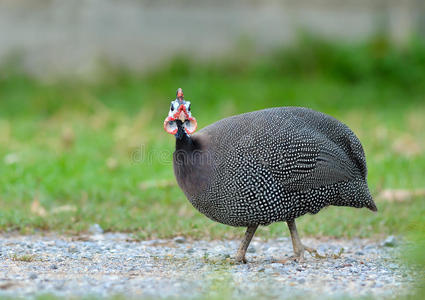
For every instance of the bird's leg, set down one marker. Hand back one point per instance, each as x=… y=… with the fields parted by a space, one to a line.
x=240 y=255
x=299 y=248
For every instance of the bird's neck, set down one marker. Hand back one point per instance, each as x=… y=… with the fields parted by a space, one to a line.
x=191 y=164
x=184 y=142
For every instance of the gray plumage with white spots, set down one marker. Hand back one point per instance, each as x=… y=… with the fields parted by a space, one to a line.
x=272 y=165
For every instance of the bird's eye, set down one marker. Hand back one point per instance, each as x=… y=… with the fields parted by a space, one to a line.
x=172 y=107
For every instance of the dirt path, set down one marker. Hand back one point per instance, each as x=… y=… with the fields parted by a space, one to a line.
x=111 y=264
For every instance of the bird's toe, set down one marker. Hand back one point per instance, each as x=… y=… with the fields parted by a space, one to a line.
x=241 y=259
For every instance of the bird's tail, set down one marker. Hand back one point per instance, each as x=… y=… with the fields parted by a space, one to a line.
x=356 y=194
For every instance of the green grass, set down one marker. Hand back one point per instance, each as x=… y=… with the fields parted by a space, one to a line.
x=76 y=152
x=24 y=258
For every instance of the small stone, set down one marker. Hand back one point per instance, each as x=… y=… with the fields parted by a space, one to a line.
x=321 y=252
x=341 y=266
x=72 y=249
x=95 y=229
x=390 y=241
x=60 y=285
x=301 y=280
x=87 y=256
x=336 y=252
x=33 y=276
x=272 y=250
x=179 y=240
x=53 y=267
x=349 y=260
x=360 y=253
x=251 y=250
x=282 y=239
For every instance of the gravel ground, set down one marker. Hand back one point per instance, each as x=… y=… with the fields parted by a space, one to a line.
x=115 y=264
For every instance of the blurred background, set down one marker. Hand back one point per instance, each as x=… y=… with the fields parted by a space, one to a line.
x=85 y=86
x=65 y=37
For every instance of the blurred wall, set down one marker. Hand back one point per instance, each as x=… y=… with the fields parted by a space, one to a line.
x=70 y=36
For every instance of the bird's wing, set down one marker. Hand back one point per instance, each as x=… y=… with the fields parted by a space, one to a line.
x=316 y=164
x=302 y=162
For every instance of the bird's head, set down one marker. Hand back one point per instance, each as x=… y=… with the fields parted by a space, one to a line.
x=179 y=120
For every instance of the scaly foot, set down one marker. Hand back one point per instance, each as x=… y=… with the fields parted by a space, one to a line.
x=313 y=252
x=299 y=256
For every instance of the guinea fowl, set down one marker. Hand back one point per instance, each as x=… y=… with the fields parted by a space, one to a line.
x=267 y=166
